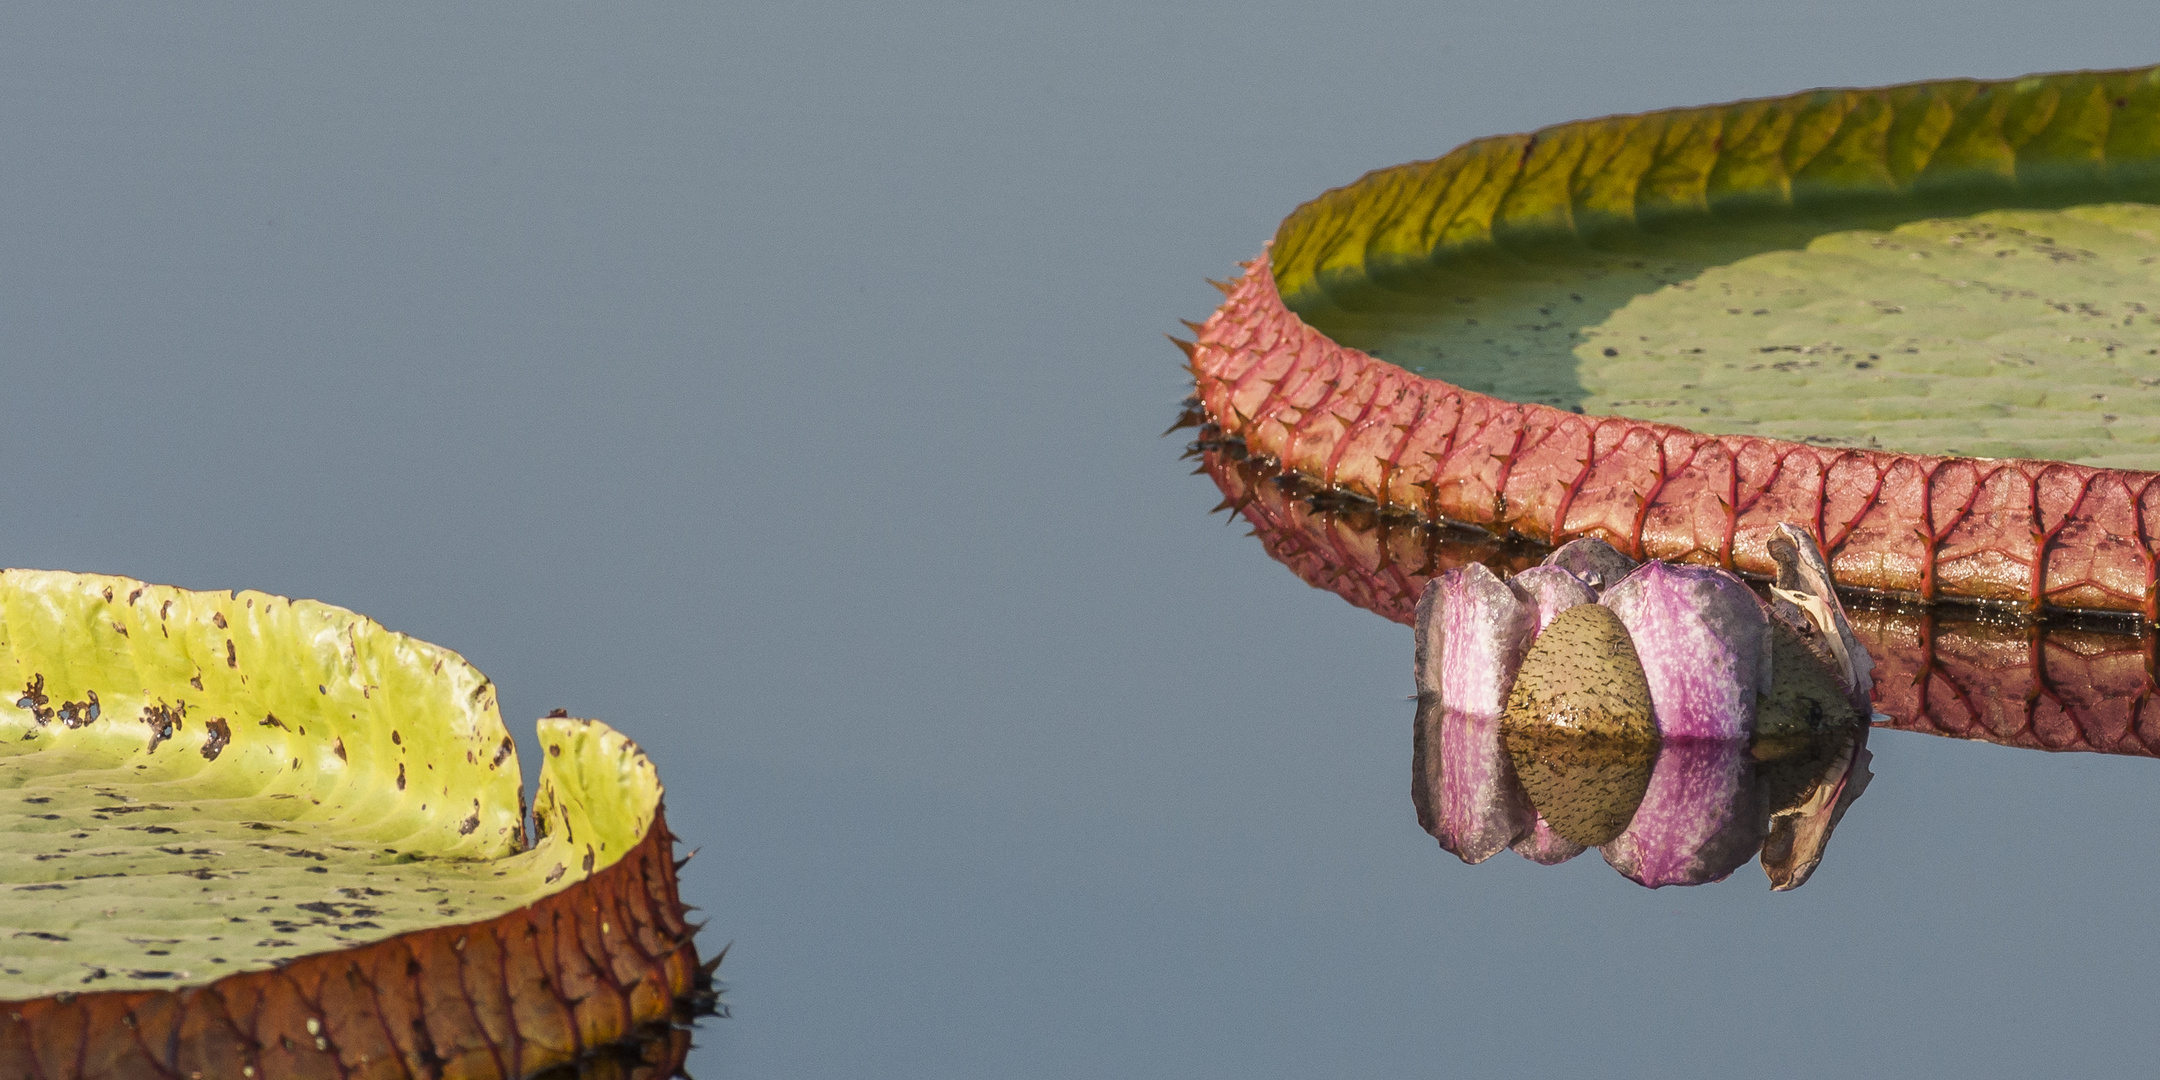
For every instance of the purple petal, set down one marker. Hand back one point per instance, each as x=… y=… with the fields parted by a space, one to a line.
x=1426 y=631
x=1549 y=590
x=1475 y=806
x=1599 y=564
x=1472 y=633
x=1702 y=638
x=1701 y=819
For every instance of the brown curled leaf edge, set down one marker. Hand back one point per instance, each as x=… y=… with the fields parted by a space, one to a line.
x=2027 y=535
x=258 y=837
x=2063 y=686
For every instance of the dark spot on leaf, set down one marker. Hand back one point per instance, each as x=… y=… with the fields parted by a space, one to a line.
x=77 y=714
x=466 y=827
x=502 y=752
x=588 y=858
x=39 y=934
x=338 y=748
x=163 y=720
x=554 y=874
x=318 y=869
x=134 y=596
x=153 y=974
x=220 y=735
x=271 y=720
x=108 y=594
x=401 y=776
x=34 y=699
x=232 y=659
x=395 y=738
x=558 y=714
x=195 y=680
x=38 y=799
x=555 y=750
x=292 y=853
x=39 y=888
x=218 y=617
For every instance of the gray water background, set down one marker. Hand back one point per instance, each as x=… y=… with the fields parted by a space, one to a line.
x=781 y=383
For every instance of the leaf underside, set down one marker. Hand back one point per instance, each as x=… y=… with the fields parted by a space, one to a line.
x=1956 y=267
x=194 y=784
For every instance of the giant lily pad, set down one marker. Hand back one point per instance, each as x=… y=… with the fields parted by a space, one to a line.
x=1919 y=321
x=259 y=836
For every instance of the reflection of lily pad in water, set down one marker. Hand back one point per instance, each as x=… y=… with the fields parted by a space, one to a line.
x=207 y=786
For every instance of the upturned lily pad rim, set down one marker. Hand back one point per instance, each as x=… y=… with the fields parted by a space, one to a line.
x=2025 y=535
x=319 y=731
x=1896 y=153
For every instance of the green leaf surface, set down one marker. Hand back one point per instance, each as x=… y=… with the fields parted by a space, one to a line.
x=195 y=784
x=1953 y=267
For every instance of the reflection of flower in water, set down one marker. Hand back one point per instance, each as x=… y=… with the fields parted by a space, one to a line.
x=2060 y=685
x=1664 y=714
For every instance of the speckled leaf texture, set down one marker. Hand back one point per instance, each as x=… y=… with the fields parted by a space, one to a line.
x=1892 y=306
x=2046 y=687
x=258 y=837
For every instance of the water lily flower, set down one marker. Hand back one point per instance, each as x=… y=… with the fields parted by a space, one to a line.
x=1663 y=713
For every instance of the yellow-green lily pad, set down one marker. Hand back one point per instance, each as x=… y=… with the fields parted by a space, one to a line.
x=195 y=784
x=1957 y=267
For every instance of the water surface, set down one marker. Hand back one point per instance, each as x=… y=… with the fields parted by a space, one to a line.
x=781 y=385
